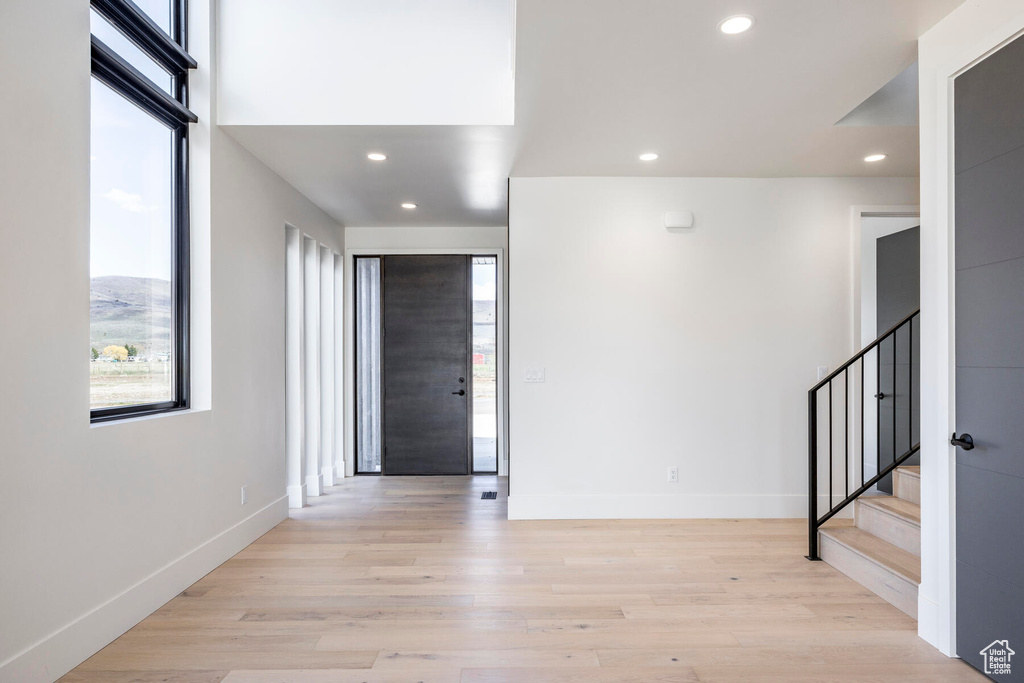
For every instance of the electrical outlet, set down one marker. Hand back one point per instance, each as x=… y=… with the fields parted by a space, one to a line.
x=245 y=494
x=673 y=474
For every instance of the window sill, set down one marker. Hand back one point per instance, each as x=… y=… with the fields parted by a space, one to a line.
x=143 y=417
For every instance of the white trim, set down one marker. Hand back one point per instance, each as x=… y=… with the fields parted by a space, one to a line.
x=857 y=214
x=61 y=651
x=311 y=364
x=647 y=506
x=327 y=374
x=970 y=33
x=350 y=389
x=865 y=307
x=296 y=496
x=868 y=294
x=500 y=352
x=340 y=371
x=294 y=362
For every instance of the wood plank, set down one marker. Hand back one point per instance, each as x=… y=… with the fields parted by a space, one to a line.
x=388 y=580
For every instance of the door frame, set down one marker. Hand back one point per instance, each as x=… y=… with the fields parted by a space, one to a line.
x=500 y=352
x=977 y=38
x=864 y=285
x=865 y=302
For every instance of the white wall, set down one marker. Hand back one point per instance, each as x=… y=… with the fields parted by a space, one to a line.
x=424 y=238
x=966 y=36
x=101 y=525
x=692 y=349
x=352 y=62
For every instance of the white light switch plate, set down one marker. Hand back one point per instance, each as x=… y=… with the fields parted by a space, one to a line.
x=822 y=372
x=534 y=375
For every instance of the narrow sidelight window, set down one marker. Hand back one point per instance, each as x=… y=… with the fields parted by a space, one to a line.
x=485 y=365
x=139 y=237
x=369 y=429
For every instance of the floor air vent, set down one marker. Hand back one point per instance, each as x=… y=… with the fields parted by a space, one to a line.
x=489 y=495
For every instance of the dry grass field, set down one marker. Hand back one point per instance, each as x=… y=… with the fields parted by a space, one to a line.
x=132 y=383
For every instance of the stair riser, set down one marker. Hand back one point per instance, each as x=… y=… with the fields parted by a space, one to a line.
x=907 y=487
x=879 y=580
x=895 y=530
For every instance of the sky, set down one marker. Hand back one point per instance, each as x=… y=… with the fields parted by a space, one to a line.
x=130 y=193
x=484 y=281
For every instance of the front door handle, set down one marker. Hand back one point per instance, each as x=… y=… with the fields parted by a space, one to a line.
x=965 y=441
x=460 y=392
x=879 y=395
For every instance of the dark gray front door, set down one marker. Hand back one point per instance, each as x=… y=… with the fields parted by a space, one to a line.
x=898 y=294
x=426 y=364
x=989 y=314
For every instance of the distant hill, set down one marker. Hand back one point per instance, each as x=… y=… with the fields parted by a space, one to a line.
x=131 y=310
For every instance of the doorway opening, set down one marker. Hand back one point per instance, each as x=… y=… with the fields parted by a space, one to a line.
x=889 y=292
x=426 y=356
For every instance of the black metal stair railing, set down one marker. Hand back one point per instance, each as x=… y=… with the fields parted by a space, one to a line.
x=852 y=406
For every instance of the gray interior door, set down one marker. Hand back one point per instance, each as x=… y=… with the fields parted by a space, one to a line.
x=898 y=294
x=426 y=360
x=989 y=314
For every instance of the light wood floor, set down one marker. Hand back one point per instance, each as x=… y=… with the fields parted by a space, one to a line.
x=418 y=579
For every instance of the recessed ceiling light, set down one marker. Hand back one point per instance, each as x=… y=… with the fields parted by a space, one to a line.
x=649 y=156
x=874 y=157
x=376 y=156
x=736 y=24
x=408 y=205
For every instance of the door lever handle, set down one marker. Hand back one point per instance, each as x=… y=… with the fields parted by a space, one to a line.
x=879 y=395
x=460 y=392
x=965 y=441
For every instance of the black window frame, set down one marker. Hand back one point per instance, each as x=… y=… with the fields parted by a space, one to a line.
x=170 y=52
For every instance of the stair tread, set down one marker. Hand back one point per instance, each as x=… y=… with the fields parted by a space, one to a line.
x=910 y=470
x=880 y=552
x=898 y=507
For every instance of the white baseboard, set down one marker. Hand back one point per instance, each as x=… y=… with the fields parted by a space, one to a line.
x=930 y=626
x=928 y=620
x=327 y=475
x=314 y=484
x=58 y=653
x=636 y=506
x=297 y=496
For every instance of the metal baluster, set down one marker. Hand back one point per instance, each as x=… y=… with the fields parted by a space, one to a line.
x=910 y=390
x=862 y=419
x=812 y=483
x=830 y=445
x=878 y=409
x=846 y=432
x=895 y=336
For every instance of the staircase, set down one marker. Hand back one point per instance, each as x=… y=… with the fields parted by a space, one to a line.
x=862 y=427
x=882 y=550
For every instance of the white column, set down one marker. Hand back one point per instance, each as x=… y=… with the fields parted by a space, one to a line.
x=339 y=369
x=327 y=364
x=311 y=318
x=294 y=353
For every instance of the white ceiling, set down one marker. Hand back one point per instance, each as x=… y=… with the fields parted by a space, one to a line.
x=600 y=81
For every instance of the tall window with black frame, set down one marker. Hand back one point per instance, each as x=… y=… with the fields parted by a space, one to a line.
x=139 y=234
